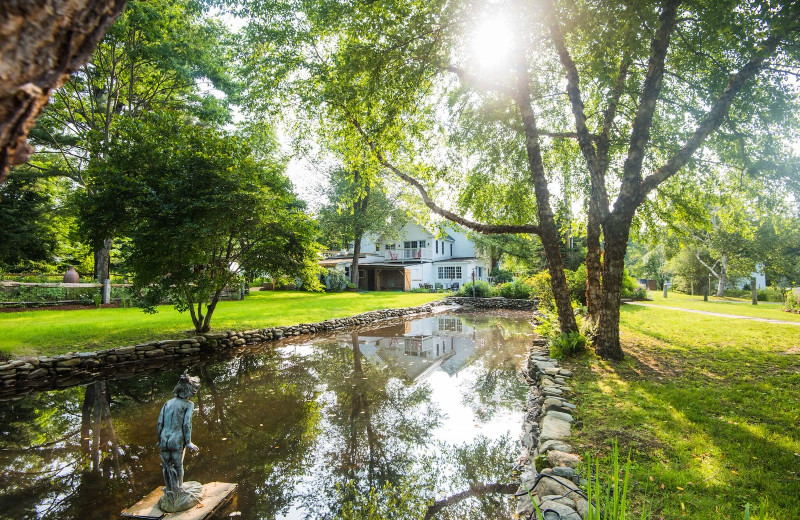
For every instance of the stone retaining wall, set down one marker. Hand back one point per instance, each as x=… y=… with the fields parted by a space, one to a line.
x=74 y=367
x=493 y=303
x=545 y=443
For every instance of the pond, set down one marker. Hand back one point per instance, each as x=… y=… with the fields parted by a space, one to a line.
x=308 y=428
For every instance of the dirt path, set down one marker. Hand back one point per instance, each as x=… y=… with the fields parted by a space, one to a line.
x=718 y=314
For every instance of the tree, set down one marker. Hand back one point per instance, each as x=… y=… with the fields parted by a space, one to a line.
x=357 y=207
x=152 y=57
x=26 y=233
x=198 y=211
x=378 y=70
x=41 y=42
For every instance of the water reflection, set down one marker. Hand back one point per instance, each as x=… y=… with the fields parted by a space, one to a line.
x=427 y=405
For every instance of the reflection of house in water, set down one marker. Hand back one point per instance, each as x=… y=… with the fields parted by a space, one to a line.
x=420 y=347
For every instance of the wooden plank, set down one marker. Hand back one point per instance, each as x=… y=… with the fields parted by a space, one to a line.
x=218 y=495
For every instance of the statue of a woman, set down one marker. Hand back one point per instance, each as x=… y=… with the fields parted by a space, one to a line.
x=174 y=436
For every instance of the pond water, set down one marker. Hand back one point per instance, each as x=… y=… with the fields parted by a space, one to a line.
x=307 y=428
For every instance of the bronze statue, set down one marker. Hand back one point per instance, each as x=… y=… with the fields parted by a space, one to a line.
x=174 y=436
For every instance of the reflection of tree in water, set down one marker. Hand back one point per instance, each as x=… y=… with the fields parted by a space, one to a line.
x=64 y=457
x=53 y=474
x=375 y=426
x=496 y=361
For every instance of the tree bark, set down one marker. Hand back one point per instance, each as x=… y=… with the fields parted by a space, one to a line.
x=41 y=43
x=616 y=231
x=102 y=261
x=723 y=272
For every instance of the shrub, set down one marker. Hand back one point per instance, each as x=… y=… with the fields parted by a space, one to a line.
x=516 y=290
x=576 y=281
x=482 y=290
x=792 y=300
x=629 y=285
x=336 y=280
x=500 y=275
x=567 y=344
x=541 y=289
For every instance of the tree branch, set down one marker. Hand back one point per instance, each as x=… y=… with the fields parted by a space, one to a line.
x=429 y=202
x=474 y=490
x=573 y=92
x=643 y=121
x=715 y=115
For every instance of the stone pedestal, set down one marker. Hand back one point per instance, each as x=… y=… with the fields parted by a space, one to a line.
x=217 y=496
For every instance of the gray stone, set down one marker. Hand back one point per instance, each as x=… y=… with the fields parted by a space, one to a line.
x=551 y=391
x=564 y=512
x=554 y=485
x=554 y=428
x=568 y=405
x=565 y=372
x=71 y=362
x=551 y=371
x=566 y=501
x=565 y=472
x=582 y=507
x=554 y=444
x=39 y=372
x=528 y=441
x=560 y=415
x=154 y=353
x=561 y=458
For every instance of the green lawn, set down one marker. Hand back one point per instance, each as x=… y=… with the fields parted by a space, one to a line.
x=52 y=332
x=738 y=306
x=710 y=407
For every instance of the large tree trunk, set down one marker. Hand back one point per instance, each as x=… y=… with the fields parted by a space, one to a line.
x=594 y=266
x=616 y=231
x=41 y=43
x=354 y=265
x=558 y=279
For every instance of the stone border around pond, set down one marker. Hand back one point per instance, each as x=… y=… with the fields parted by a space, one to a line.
x=493 y=303
x=32 y=373
x=545 y=434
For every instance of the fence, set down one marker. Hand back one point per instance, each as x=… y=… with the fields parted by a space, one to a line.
x=27 y=294
x=24 y=294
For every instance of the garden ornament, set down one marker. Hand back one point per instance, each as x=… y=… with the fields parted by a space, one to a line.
x=174 y=436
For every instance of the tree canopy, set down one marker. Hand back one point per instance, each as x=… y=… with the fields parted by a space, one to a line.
x=199 y=211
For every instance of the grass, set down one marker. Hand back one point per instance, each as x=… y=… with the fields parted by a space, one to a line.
x=54 y=332
x=737 y=306
x=710 y=407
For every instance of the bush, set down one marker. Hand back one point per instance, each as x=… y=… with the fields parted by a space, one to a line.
x=541 y=289
x=336 y=280
x=482 y=290
x=629 y=285
x=500 y=275
x=516 y=290
x=576 y=281
x=567 y=344
x=770 y=294
x=792 y=300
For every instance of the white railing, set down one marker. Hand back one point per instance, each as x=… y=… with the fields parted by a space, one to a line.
x=406 y=254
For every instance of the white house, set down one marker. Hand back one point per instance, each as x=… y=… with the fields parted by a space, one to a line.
x=417 y=258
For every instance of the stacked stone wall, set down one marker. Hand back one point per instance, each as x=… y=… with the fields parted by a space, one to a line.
x=493 y=303
x=545 y=443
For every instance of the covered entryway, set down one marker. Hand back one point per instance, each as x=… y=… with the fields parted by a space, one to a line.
x=384 y=277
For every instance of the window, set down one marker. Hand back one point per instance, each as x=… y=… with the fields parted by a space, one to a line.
x=479 y=272
x=437 y=247
x=451 y=324
x=449 y=272
x=389 y=247
x=377 y=247
x=451 y=249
